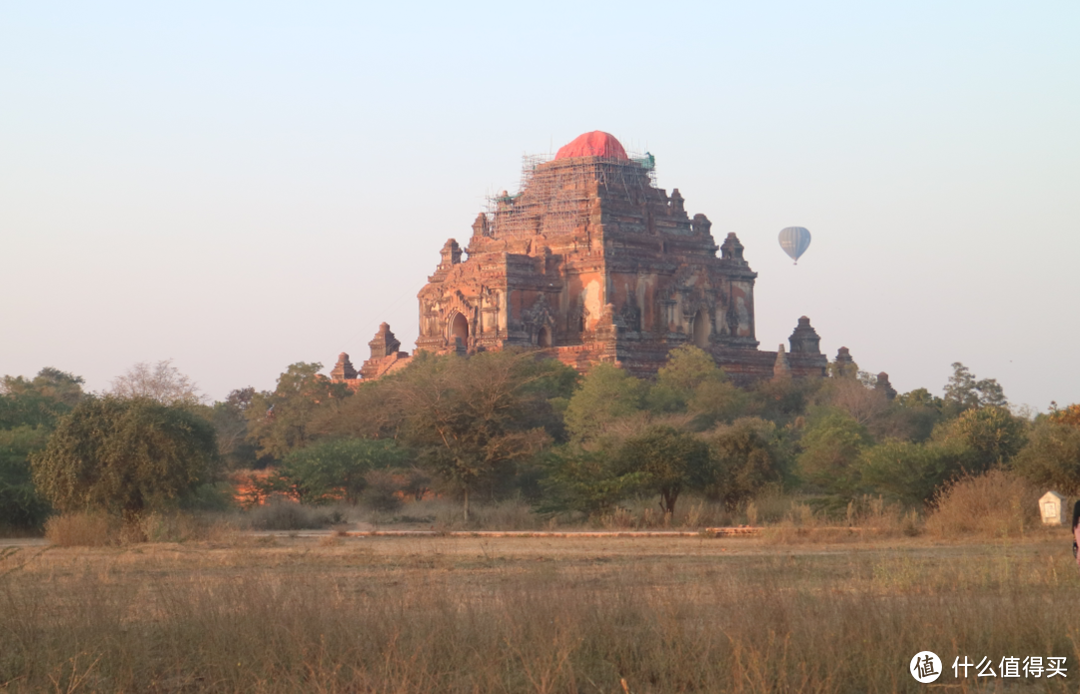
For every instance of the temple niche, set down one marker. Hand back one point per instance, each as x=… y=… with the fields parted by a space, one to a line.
x=592 y=263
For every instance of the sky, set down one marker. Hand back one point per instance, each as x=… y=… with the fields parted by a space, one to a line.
x=241 y=186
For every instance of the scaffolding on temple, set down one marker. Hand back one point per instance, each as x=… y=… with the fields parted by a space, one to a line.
x=553 y=195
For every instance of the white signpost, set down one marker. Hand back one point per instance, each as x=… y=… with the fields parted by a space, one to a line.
x=1052 y=506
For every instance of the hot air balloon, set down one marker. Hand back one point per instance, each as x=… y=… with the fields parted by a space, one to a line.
x=794 y=241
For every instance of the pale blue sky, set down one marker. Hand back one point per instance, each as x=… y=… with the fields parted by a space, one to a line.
x=240 y=186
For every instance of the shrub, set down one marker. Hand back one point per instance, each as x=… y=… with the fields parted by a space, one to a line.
x=101 y=530
x=183 y=527
x=282 y=514
x=337 y=469
x=417 y=483
x=508 y=514
x=587 y=481
x=83 y=530
x=997 y=503
x=382 y=492
x=212 y=496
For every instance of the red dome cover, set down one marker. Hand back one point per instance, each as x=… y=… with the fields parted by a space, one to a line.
x=594 y=144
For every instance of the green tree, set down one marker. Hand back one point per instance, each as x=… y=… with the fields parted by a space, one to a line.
x=687 y=367
x=964 y=391
x=831 y=446
x=783 y=400
x=124 y=456
x=716 y=401
x=474 y=420
x=372 y=412
x=280 y=421
x=691 y=382
x=991 y=435
x=585 y=480
x=335 y=470
x=669 y=460
x=914 y=415
x=39 y=401
x=607 y=394
x=911 y=472
x=920 y=397
x=29 y=409
x=844 y=369
x=1051 y=458
x=745 y=456
x=231 y=425
x=20 y=504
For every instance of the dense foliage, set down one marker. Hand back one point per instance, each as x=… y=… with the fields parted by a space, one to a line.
x=508 y=423
x=124 y=456
x=29 y=411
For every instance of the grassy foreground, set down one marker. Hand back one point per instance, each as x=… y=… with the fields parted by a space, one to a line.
x=290 y=614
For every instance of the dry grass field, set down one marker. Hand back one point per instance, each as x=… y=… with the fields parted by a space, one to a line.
x=457 y=614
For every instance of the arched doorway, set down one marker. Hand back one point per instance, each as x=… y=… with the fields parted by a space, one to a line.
x=543 y=338
x=460 y=329
x=702 y=329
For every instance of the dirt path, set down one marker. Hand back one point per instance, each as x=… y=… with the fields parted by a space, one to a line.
x=23 y=542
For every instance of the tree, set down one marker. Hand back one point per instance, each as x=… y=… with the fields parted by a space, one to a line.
x=717 y=400
x=416 y=482
x=691 y=382
x=50 y=382
x=783 y=400
x=585 y=480
x=161 y=382
x=1051 y=459
x=231 y=426
x=1068 y=415
x=965 y=392
x=745 y=456
x=280 y=421
x=669 y=460
x=831 y=447
x=914 y=415
x=687 y=367
x=371 y=412
x=29 y=409
x=39 y=401
x=911 y=472
x=843 y=368
x=991 y=435
x=124 y=456
x=606 y=395
x=20 y=504
x=920 y=397
x=863 y=403
x=334 y=470
x=473 y=420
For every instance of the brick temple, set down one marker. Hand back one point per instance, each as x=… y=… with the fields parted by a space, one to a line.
x=591 y=262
